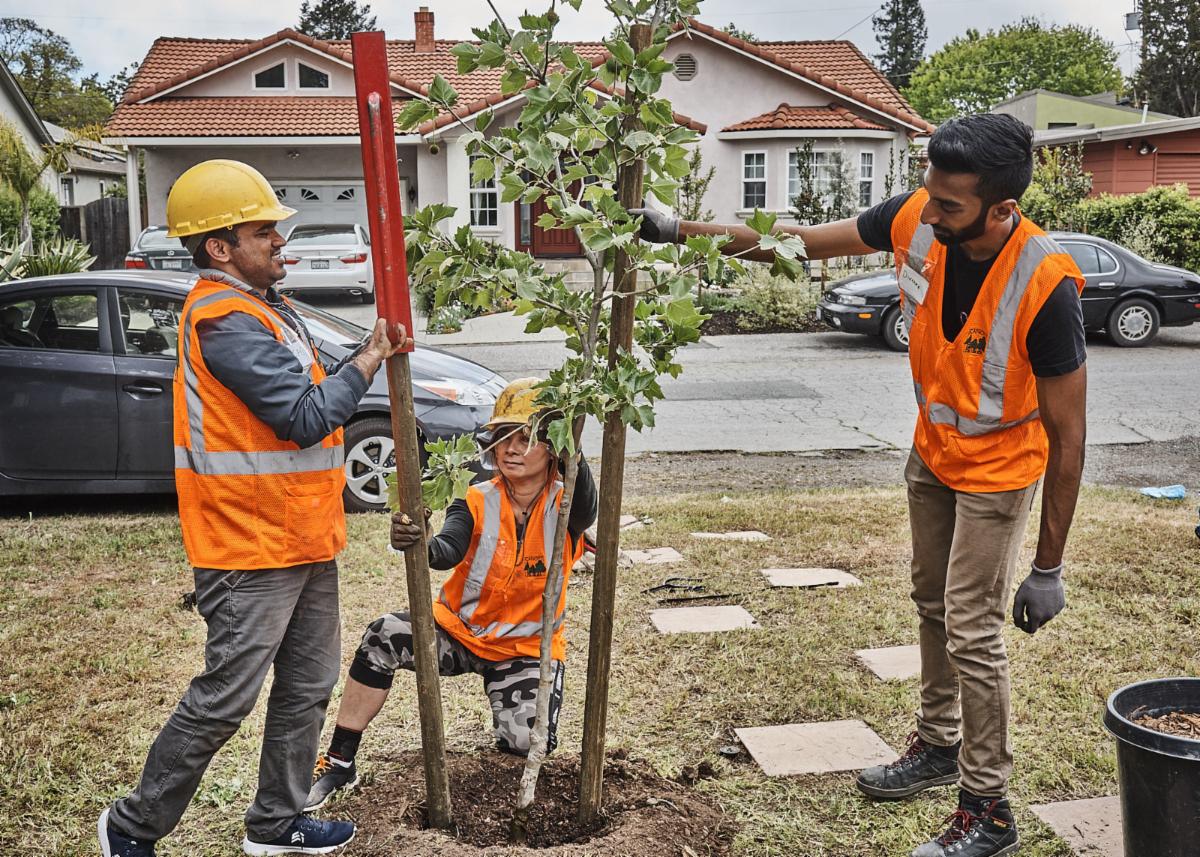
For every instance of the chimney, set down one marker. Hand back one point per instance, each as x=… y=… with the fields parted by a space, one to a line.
x=424 y=26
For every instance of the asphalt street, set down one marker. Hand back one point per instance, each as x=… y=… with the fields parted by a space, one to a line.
x=818 y=391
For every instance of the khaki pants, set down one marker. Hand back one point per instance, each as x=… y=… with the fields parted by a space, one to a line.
x=965 y=546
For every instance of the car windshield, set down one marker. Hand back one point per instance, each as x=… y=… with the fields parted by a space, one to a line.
x=322 y=236
x=330 y=328
x=156 y=239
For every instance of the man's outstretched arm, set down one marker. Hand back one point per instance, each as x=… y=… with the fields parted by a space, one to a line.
x=823 y=241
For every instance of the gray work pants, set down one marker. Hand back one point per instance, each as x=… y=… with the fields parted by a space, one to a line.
x=283 y=617
x=965 y=547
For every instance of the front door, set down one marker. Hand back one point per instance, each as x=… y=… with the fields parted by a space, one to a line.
x=543 y=243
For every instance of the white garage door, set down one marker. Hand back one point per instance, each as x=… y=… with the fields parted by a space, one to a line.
x=323 y=202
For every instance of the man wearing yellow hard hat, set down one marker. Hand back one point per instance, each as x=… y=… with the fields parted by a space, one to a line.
x=499 y=543
x=259 y=474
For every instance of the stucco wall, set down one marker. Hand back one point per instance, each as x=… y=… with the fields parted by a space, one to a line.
x=10 y=114
x=239 y=79
x=320 y=163
x=729 y=88
x=1038 y=110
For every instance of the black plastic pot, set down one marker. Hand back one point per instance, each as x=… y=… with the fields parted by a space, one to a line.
x=1159 y=773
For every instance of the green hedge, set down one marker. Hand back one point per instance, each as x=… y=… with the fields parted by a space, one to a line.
x=1162 y=223
x=43 y=215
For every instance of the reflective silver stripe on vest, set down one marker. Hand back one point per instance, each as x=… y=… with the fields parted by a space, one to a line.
x=521 y=629
x=238 y=463
x=918 y=260
x=920 y=393
x=191 y=382
x=485 y=552
x=999 y=348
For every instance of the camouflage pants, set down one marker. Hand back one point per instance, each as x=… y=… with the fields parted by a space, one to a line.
x=511 y=686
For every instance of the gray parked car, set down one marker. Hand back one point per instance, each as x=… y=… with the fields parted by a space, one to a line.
x=154 y=251
x=86 y=362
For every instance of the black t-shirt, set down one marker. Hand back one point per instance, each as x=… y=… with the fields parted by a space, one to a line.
x=1055 y=341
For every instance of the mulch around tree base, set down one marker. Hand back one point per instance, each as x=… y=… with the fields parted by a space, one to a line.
x=723 y=322
x=644 y=814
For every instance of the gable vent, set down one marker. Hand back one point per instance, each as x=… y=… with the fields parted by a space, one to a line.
x=685 y=66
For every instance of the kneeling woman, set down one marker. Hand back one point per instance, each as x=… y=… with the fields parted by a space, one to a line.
x=489 y=614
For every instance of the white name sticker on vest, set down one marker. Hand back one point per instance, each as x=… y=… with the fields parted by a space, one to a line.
x=913 y=284
x=298 y=347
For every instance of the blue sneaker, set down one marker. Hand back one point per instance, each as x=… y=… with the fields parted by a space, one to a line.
x=305 y=835
x=114 y=844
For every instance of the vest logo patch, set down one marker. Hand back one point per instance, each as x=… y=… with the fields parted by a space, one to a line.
x=536 y=568
x=976 y=341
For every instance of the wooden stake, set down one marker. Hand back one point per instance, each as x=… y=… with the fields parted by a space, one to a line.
x=382 y=185
x=612 y=475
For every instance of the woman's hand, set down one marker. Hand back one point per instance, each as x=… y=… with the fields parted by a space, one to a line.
x=405 y=533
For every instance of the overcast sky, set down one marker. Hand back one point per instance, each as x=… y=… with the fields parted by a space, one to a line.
x=108 y=36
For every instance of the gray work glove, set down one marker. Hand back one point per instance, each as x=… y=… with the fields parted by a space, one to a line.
x=657 y=228
x=1039 y=599
x=405 y=533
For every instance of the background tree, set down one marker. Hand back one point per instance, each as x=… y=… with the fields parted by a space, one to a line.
x=589 y=157
x=21 y=172
x=689 y=200
x=1059 y=185
x=974 y=72
x=738 y=33
x=900 y=32
x=1168 y=77
x=45 y=65
x=334 y=19
x=114 y=88
x=808 y=205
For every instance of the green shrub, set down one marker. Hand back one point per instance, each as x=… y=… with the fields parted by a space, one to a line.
x=1162 y=223
x=57 y=256
x=43 y=214
x=769 y=301
x=447 y=318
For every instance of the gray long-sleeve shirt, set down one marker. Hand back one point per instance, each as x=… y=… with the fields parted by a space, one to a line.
x=263 y=372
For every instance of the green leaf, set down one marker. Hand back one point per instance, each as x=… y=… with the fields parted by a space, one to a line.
x=547 y=221
x=761 y=221
x=483 y=120
x=621 y=51
x=513 y=80
x=482 y=169
x=559 y=434
x=511 y=187
x=441 y=92
x=645 y=82
x=639 y=140
x=468 y=57
x=540 y=156
x=657 y=111
x=414 y=113
x=491 y=55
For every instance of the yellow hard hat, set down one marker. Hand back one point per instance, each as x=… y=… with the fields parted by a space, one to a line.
x=220 y=193
x=515 y=404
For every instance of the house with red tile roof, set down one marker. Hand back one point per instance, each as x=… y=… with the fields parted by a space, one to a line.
x=285 y=103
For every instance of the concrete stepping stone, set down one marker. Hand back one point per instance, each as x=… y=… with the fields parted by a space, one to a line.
x=809 y=578
x=892 y=663
x=654 y=556
x=737 y=536
x=633 y=522
x=815 y=748
x=701 y=620
x=1092 y=827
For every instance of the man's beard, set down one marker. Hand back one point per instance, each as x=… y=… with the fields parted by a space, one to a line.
x=967 y=233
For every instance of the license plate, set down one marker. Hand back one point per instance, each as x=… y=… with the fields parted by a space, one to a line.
x=319 y=264
x=173 y=263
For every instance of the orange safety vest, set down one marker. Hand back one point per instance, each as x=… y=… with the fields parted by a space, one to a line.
x=247 y=499
x=978 y=427
x=492 y=603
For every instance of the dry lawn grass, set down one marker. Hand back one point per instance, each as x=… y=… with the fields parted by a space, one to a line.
x=96 y=653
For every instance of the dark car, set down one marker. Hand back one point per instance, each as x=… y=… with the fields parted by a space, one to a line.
x=154 y=251
x=86 y=362
x=1124 y=295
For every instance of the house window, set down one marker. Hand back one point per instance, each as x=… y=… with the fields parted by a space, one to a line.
x=866 y=178
x=270 y=78
x=346 y=195
x=754 y=180
x=309 y=195
x=824 y=172
x=68 y=190
x=311 y=78
x=485 y=203
x=281 y=193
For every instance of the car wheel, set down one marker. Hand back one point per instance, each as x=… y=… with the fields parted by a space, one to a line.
x=895 y=331
x=1133 y=323
x=370 y=457
x=368 y=297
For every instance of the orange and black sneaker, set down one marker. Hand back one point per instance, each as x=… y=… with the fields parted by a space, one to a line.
x=330 y=776
x=980 y=827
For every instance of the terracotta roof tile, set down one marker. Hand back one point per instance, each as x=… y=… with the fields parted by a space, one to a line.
x=260 y=116
x=786 y=117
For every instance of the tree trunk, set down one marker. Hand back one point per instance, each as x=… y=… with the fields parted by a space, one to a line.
x=612 y=477
x=551 y=595
x=25 y=231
